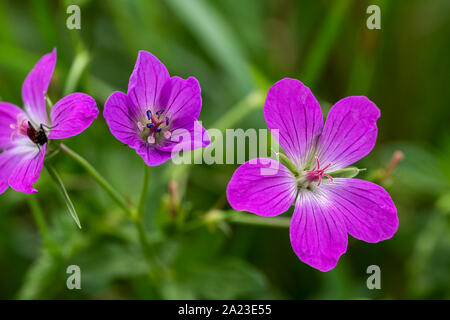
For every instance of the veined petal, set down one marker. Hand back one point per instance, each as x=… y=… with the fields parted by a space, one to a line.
x=151 y=155
x=28 y=169
x=349 y=133
x=181 y=99
x=121 y=115
x=262 y=186
x=72 y=115
x=318 y=233
x=368 y=210
x=8 y=161
x=291 y=108
x=147 y=80
x=35 y=86
x=9 y=114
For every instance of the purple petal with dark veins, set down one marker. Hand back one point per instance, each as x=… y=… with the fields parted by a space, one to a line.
x=318 y=233
x=262 y=186
x=368 y=210
x=147 y=80
x=291 y=108
x=72 y=115
x=349 y=134
x=27 y=170
x=121 y=115
x=35 y=86
x=8 y=116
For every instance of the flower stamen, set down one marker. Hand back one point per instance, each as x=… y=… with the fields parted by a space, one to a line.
x=20 y=128
x=317 y=173
x=156 y=123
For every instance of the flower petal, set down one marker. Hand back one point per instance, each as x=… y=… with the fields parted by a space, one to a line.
x=262 y=186
x=368 y=210
x=35 y=86
x=147 y=80
x=27 y=171
x=8 y=161
x=72 y=115
x=318 y=233
x=8 y=116
x=181 y=100
x=151 y=155
x=291 y=108
x=122 y=115
x=349 y=133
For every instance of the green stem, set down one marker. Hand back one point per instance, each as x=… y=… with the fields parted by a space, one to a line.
x=116 y=196
x=277 y=222
x=244 y=218
x=149 y=251
x=141 y=205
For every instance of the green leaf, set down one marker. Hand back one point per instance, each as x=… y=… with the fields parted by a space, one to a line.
x=59 y=184
x=227 y=278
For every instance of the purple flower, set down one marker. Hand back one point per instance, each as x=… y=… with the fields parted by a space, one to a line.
x=326 y=208
x=24 y=133
x=158 y=115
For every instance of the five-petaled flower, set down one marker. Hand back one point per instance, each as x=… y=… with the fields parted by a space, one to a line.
x=24 y=134
x=159 y=114
x=326 y=208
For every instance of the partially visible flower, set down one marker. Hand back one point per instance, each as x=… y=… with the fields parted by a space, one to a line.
x=326 y=208
x=24 y=133
x=159 y=114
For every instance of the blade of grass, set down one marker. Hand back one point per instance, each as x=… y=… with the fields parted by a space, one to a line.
x=60 y=185
x=328 y=34
x=216 y=36
x=76 y=70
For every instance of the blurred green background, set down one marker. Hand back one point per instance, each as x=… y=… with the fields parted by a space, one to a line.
x=236 y=49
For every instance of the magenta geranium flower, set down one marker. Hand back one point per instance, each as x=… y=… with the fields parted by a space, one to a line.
x=159 y=114
x=326 y=208
x=24 y=134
